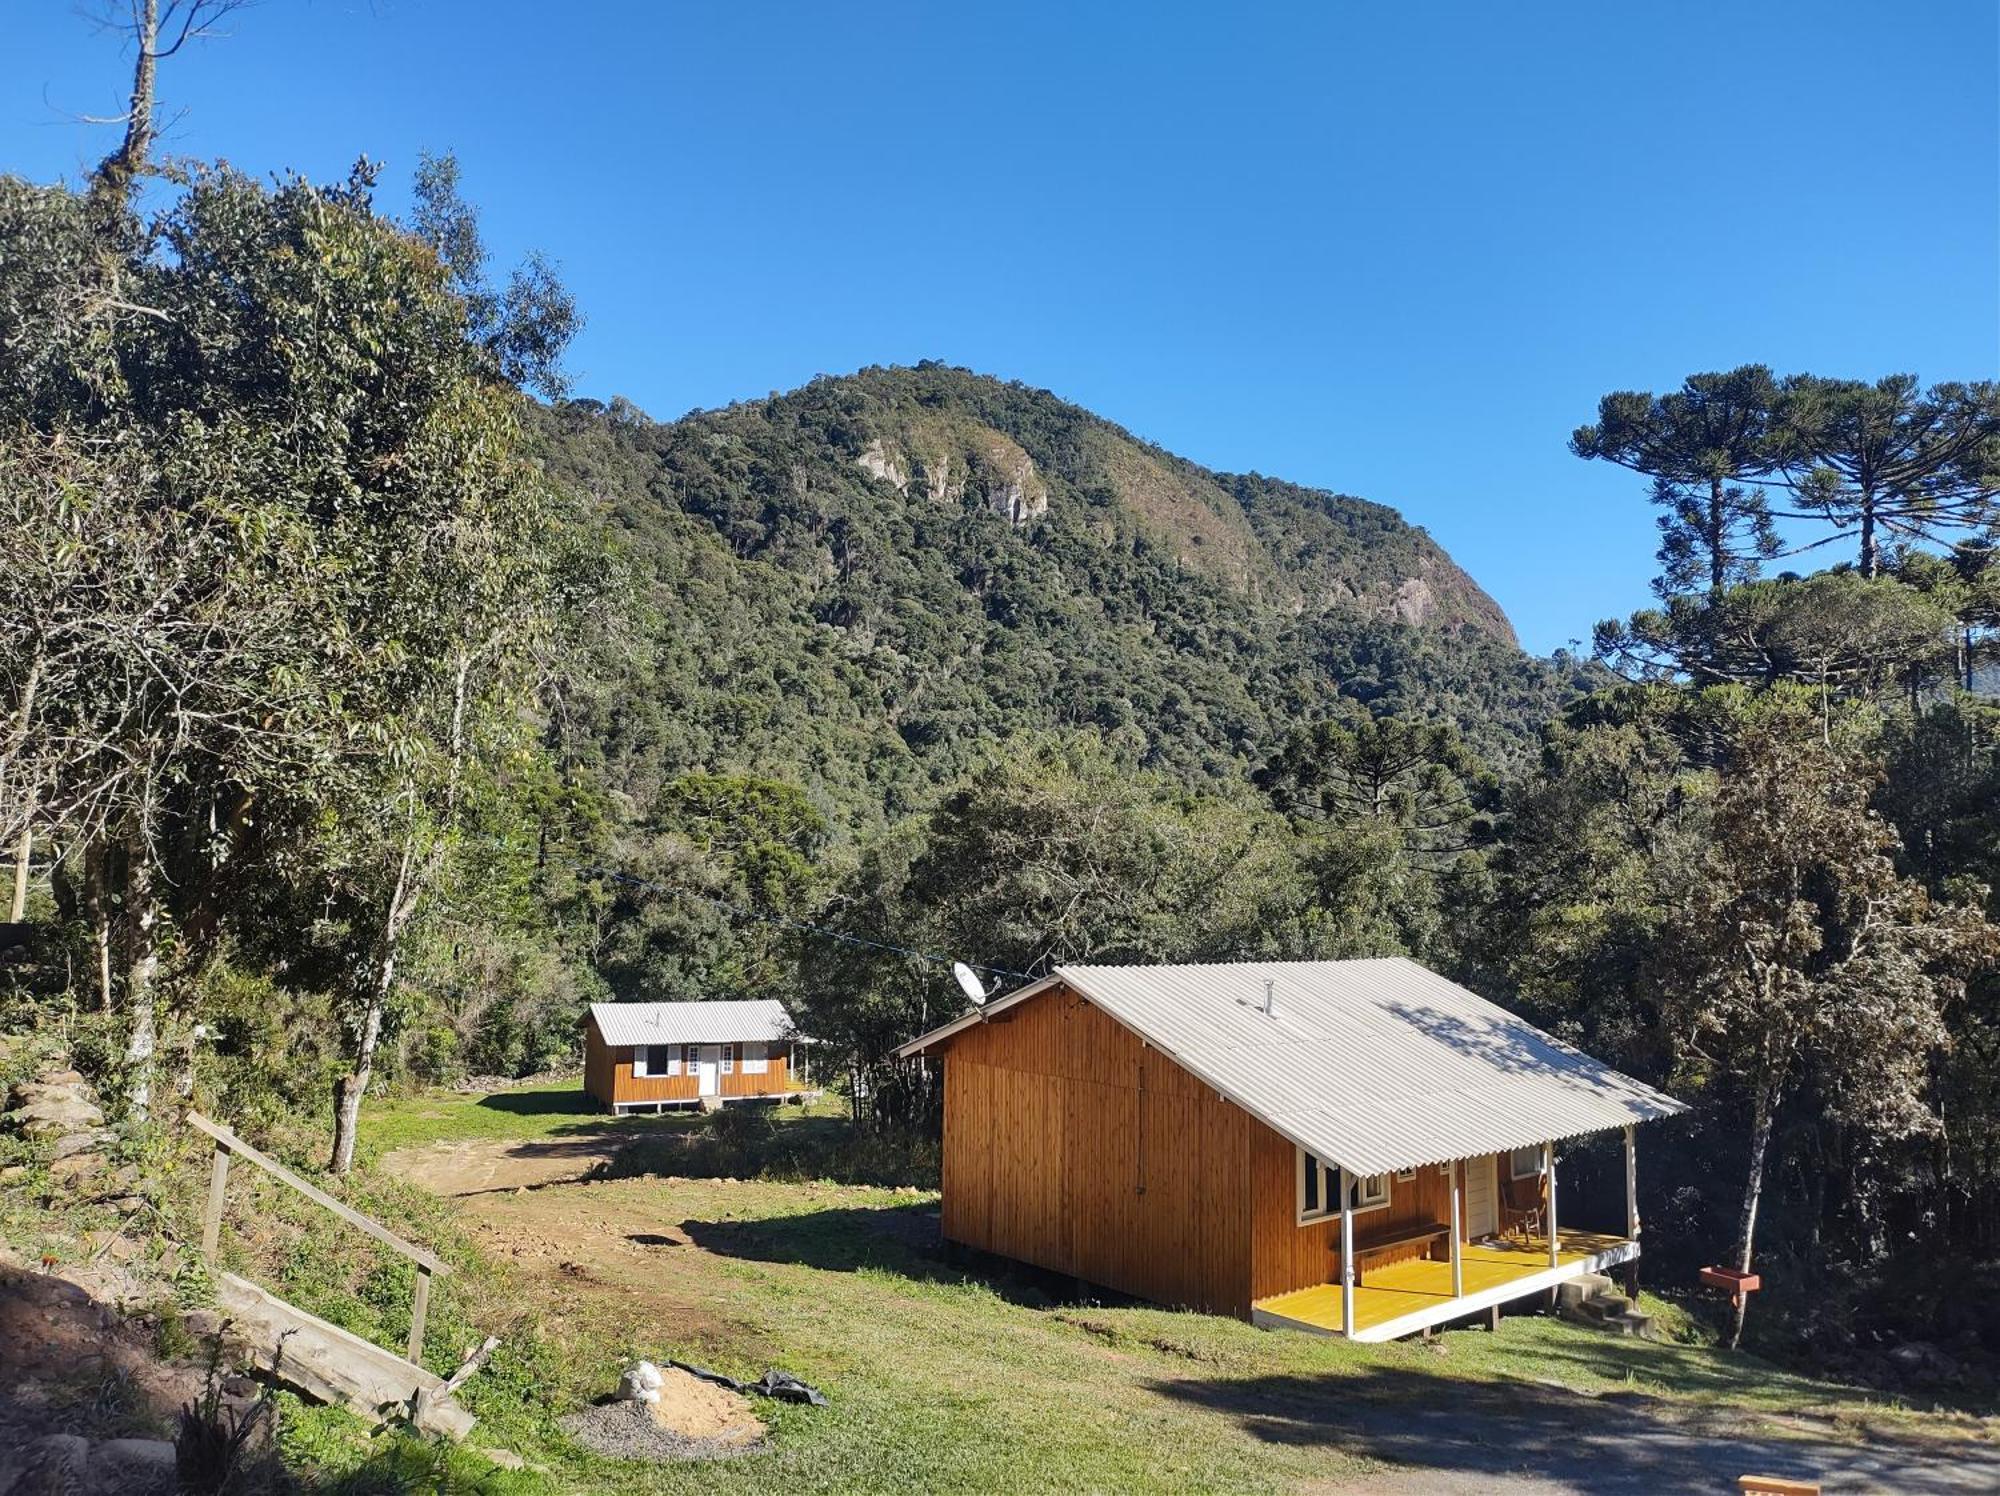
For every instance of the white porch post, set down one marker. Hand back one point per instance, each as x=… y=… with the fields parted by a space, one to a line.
x=1346 y=1256
x=1549 y=1168
x=1457 y=1255
x=1631 y=1184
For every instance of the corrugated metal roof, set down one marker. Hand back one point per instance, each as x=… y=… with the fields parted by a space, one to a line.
x=721 y=1022
x=1372 y=1065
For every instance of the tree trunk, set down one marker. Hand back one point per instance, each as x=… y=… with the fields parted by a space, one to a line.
x=1753 y=1193
x=99 y=915
x=18 y=909
x=116 y=172
x=1871 y=560
x=142 y=967
x=1718 y=570
x=350 y=1088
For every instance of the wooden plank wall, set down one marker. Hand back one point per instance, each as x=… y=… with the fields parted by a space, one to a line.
x=597 y=1065
x=607 y=1075
x=1286 y=1255
x=1071 y=1145
x=773 y=1082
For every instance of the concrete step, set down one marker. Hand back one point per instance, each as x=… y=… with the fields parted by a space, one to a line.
x=1632 y=1322
x=1605 y=1306
x=1577 y=1290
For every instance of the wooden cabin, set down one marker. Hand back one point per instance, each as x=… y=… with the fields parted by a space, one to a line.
x=1348 y=1147
x=650 y=1056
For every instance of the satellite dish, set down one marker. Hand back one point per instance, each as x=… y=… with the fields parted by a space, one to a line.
x=969 y=983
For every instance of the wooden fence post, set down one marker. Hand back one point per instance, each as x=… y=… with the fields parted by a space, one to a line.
x=211 y=1220
x=420 y=1307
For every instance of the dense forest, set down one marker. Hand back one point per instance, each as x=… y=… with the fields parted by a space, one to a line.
x=369 y=707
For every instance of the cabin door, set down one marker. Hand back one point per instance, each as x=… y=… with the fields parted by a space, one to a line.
x=711 y=1069
x=1482 y=1198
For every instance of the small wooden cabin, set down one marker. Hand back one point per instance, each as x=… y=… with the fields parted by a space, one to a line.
x=650 y=1056
x=1348 y=1147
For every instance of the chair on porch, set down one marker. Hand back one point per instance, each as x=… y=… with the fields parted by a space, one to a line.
x=1524 y=1208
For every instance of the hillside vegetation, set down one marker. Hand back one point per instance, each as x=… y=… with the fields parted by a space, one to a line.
x=856 y=585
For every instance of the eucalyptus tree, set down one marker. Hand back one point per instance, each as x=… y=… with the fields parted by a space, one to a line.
x=1706 y=446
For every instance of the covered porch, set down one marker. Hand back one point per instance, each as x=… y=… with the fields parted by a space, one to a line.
x=1407 y=1297
x=1529 y=1253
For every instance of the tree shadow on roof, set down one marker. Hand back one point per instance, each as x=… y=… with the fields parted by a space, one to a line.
x=1514 y=1047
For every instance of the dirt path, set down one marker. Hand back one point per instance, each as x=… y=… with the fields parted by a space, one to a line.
x=604 y=1247
x=485 y=1164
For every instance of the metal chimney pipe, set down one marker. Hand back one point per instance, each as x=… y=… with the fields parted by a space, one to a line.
x=1269 y=984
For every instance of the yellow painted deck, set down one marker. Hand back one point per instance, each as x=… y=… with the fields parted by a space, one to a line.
x=1422 y=1288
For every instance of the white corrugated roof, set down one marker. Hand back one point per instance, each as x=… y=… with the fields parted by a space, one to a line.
x=1372 y=1065
x=720 y=1022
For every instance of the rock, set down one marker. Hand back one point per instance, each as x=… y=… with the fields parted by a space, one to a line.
x=78 y=1166
x=60 y=1078
x=1919 y=1358
x=14 y=1171
x=83 y=1142
x=641 y=1383
x=506 y=1459
x=53 y=1116
x=54 y=1465
x=203 y=1324
x=113 y=1244
x=132 y=1466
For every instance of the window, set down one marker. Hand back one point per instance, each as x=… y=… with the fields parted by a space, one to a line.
x=1371 y=1193
x=641 y=1062
x=1319 y=1190
x=1524 y=1163
x=689 y=1058
x=1405 y=1176
x=755 y=1061
x=729 y=1059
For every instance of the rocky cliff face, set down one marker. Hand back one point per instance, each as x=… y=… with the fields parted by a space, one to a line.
x=946 y=464
x=955 y=438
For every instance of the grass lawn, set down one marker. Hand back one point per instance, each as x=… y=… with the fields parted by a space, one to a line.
x=538 y=1112
x=944 y=1377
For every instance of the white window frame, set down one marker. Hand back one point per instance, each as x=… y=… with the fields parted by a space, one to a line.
x=1365 y=1200
x=690 y=1059
x=1406 y=1176
x=1534 y=1150
x=641 y=1062
x=756 y=1057
x=728 y=1059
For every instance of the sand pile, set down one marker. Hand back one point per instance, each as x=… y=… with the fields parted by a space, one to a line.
x=690 y=1420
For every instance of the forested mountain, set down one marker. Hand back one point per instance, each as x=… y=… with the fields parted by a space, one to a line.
x=861 y=585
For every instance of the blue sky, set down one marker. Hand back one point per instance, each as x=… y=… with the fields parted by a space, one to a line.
x=1396 y=250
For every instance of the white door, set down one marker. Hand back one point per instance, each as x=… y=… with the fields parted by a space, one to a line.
x=1482 y=1198
x=711 y=1069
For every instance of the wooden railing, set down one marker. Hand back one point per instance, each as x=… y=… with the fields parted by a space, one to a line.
x=228 y=1145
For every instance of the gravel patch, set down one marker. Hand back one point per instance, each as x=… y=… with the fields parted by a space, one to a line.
x=629 y=1431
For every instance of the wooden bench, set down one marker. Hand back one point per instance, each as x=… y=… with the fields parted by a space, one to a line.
x=1402 y=1236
